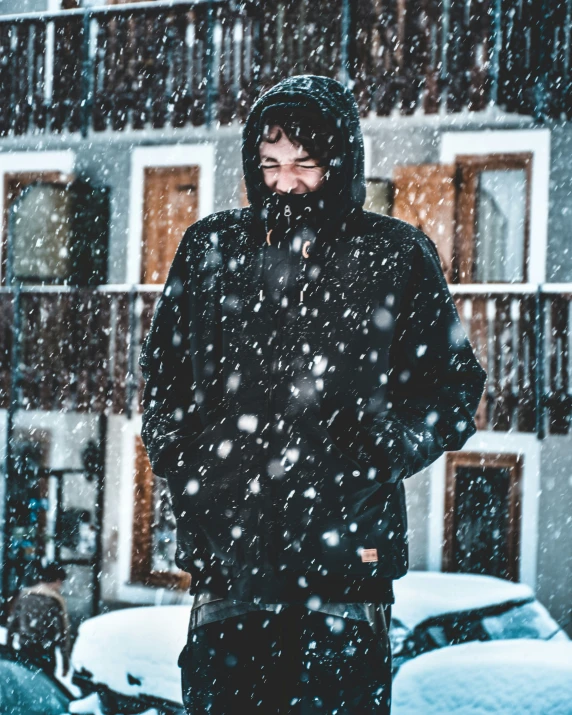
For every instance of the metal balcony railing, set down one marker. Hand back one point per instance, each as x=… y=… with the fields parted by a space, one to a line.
x=181 y=63
x=77 y=349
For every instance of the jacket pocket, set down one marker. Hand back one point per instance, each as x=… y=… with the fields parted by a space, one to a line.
x=336 y=516
x=205 y=489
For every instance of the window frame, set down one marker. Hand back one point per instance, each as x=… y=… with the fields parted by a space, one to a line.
x=468 y=168
x=58 y=164
x=513 y=462
x=509 y=141
x=160 y=156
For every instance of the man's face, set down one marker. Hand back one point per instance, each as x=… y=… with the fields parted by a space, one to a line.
x=287 y=168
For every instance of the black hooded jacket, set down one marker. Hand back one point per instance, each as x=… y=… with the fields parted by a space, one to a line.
x=288 y=397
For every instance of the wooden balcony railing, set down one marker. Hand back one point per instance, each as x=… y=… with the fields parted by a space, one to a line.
x=77 y=349
x=181 y=63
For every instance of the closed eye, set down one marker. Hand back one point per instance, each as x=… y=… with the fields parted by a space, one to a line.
x=298 y=166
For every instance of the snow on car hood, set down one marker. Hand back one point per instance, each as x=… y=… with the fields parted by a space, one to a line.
x=425 y=594
x=135 y=644
x=496 y=678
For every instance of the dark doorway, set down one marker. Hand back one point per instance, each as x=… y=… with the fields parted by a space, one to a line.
x=482 y=514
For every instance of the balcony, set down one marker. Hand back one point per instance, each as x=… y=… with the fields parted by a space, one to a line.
x=77 y=349
x=177 y=64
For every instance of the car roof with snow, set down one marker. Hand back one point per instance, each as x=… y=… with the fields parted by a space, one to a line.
x=496 y=678
x=134 y=651
x=421 y=595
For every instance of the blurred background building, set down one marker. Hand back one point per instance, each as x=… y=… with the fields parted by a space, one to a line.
x=120 y=125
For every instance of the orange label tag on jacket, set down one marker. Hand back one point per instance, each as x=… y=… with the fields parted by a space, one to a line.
x=368 y=555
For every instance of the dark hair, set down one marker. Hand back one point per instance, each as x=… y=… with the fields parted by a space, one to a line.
x=53 y=572
x=301 y=126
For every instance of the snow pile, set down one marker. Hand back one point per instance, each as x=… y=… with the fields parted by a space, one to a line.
x=425 y=594
x=91 y=705
x=134 y=651
x=518 y=677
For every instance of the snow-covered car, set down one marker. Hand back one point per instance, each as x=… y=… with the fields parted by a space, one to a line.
x=433 y=610
x=27 y=690
x=129 y=657
x=513 y=677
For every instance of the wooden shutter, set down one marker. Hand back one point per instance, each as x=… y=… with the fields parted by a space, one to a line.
x=171 y=204
x=424 y=195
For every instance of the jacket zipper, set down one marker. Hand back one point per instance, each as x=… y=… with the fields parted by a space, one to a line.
x=270 y=523
x=270 y=531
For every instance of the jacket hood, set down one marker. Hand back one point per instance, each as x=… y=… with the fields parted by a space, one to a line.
x=346 y=188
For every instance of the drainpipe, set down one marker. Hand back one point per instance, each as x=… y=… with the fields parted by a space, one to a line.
x=346 y=48
x=86 y=87
x=209 y=65
x=13 y=404
x=539 y=337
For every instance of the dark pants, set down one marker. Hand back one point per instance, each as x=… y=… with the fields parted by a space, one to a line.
x=297 y=661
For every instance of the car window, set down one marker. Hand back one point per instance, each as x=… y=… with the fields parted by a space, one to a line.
x=29 y=692
x=461 y=629
x=530 y=620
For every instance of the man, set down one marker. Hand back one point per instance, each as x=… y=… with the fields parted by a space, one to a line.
x=305 y=357
x=38 y=624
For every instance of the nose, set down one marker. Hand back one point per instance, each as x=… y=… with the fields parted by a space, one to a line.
x=286 y=181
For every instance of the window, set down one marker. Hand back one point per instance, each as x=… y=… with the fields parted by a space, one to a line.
x=15 y=183
x=475 y=210
x=378 y=196
x=518 y=151
x=492 y=228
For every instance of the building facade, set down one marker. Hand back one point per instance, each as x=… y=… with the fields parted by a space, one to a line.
x=120 y=126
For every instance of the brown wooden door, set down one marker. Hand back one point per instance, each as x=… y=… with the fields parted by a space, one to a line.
x=170 y=205
x=482 y=514
x=153 y=529
x=424 y=195
x=14 y=183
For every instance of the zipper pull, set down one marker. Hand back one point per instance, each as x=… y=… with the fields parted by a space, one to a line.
x=288 y=213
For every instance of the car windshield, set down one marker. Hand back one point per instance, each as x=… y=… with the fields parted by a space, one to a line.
x=530 y=620
x=523 y=620
x=28 y=692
